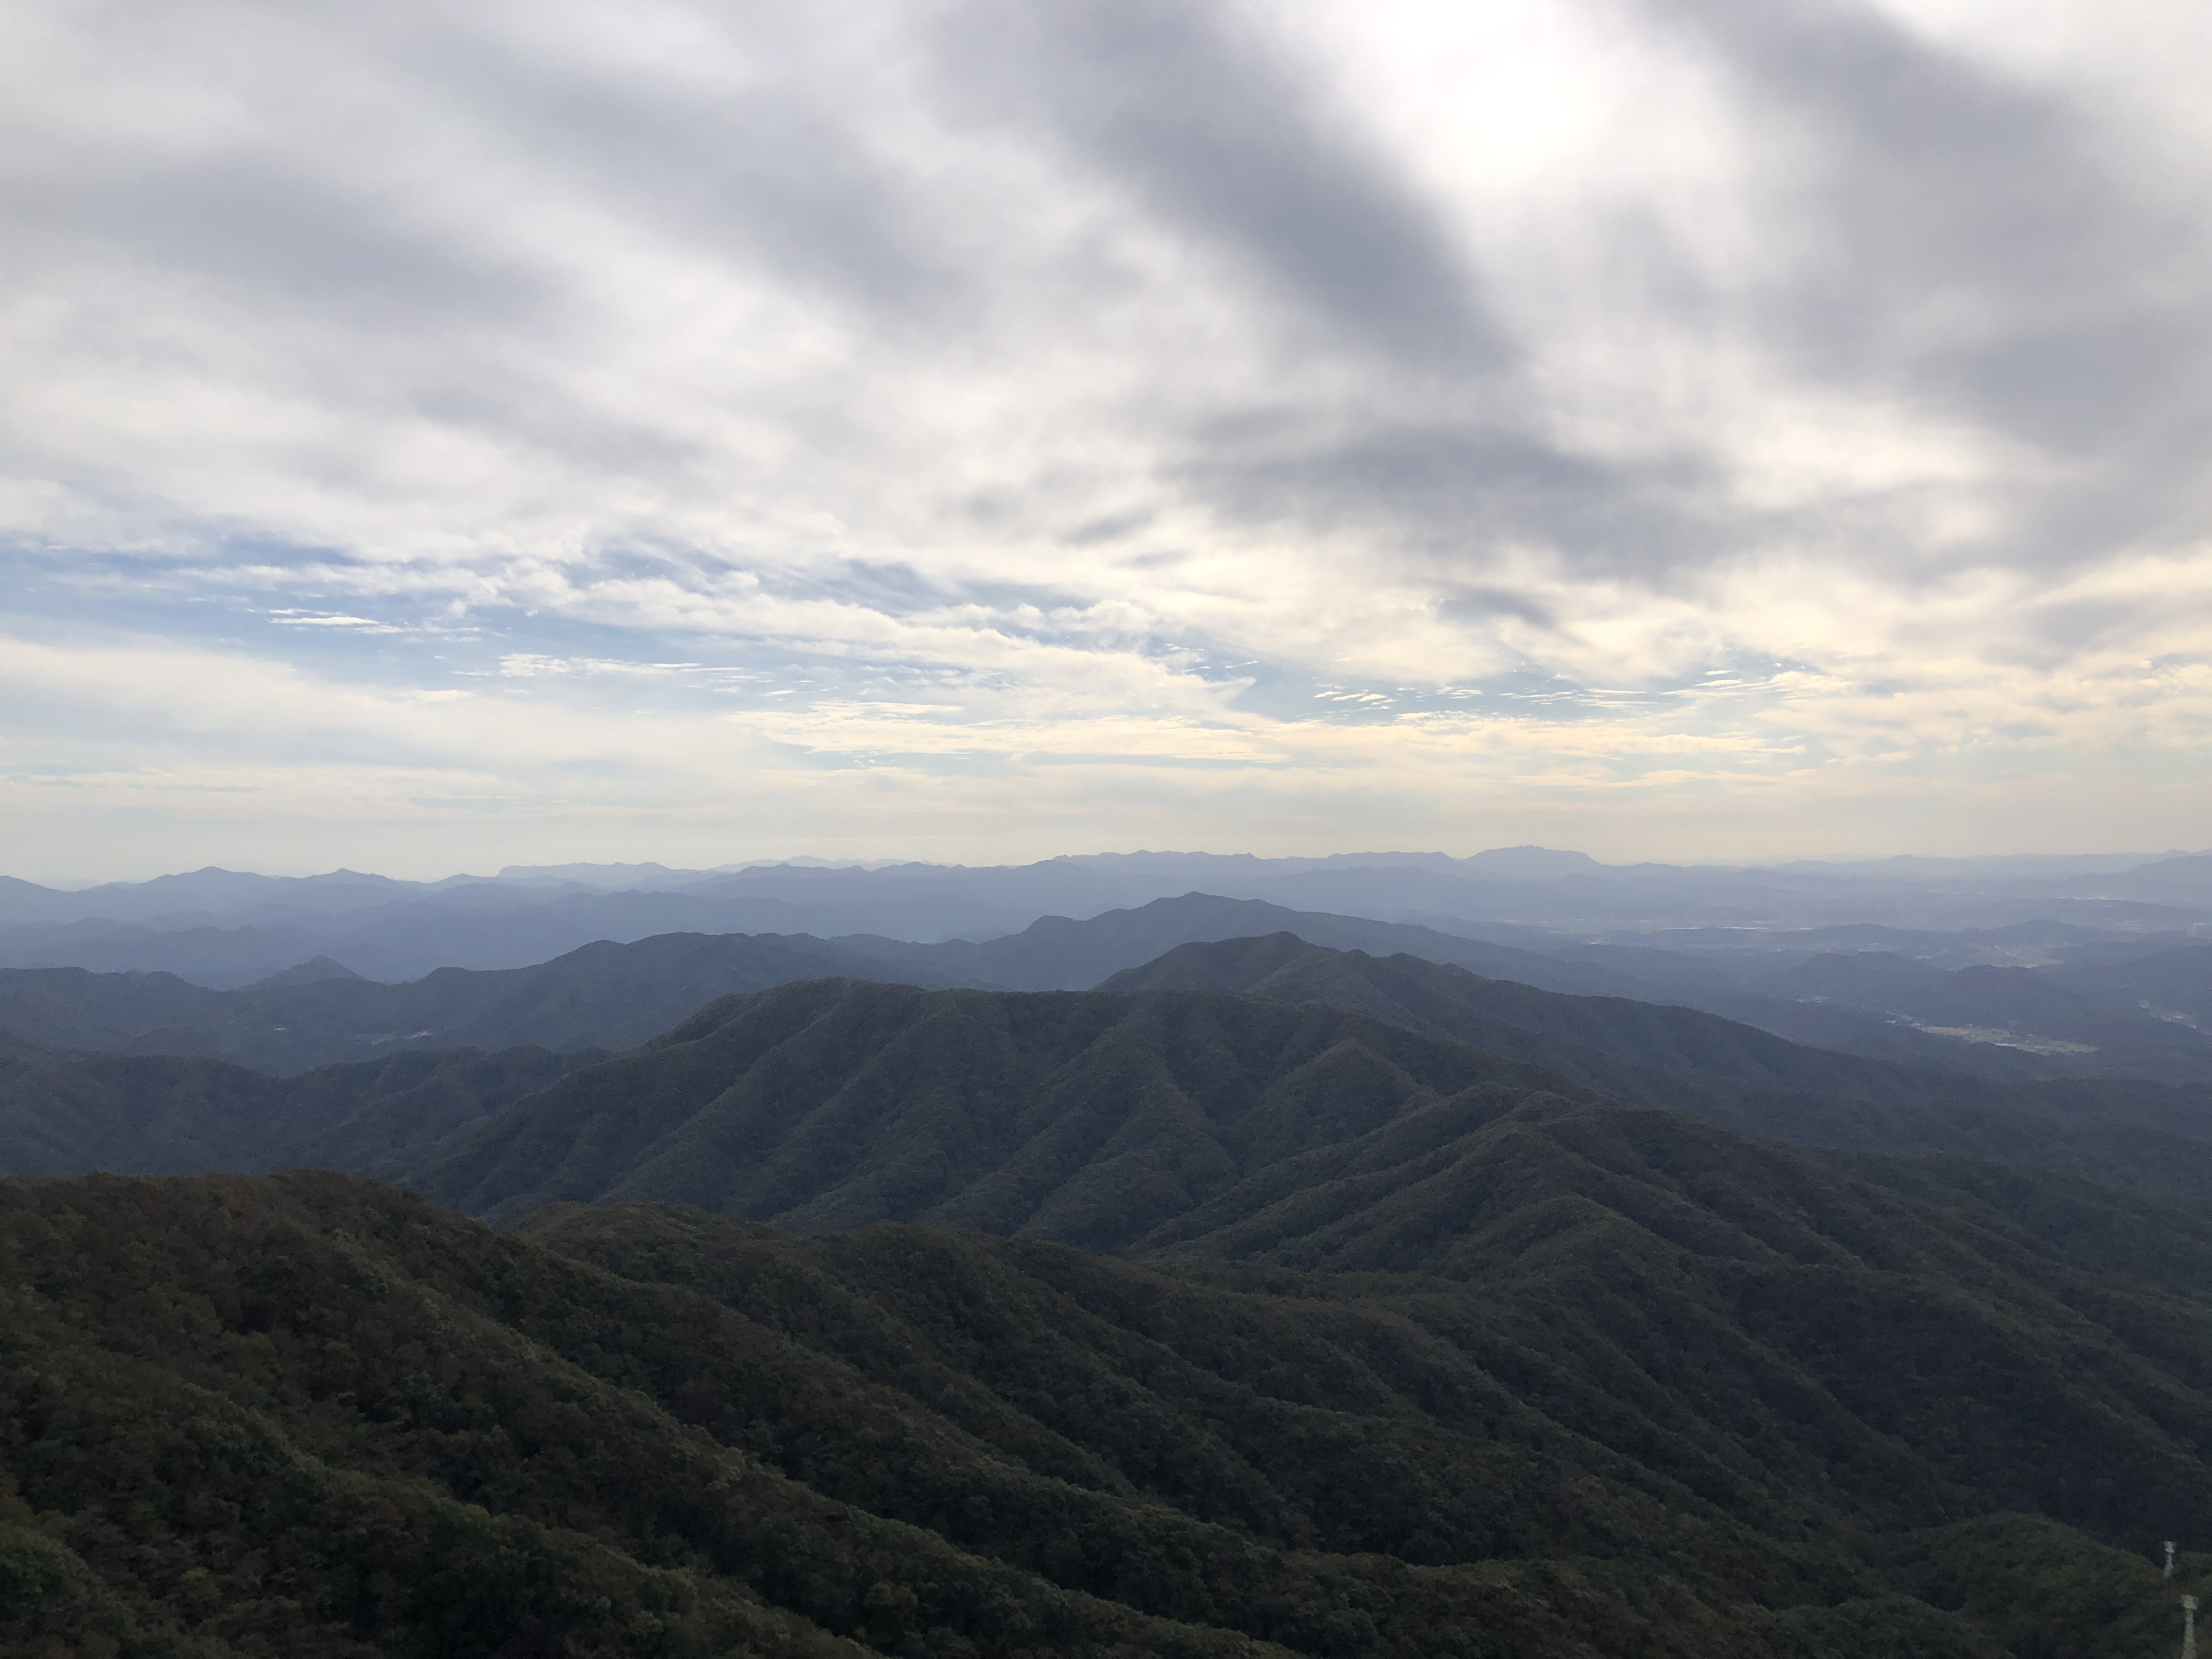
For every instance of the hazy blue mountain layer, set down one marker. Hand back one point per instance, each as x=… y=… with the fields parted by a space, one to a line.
x=604 y=995
x=617 y=995
x=225 y=928
x=2095 y=1007
x=1055 y=953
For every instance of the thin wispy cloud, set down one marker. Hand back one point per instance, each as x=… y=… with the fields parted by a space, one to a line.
x=985 y=430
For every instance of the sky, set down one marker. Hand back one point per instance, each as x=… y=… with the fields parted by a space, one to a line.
x=436 y=437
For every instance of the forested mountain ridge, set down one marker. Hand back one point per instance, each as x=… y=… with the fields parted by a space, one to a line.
x=615 y=995
x=1403 y=1346
x=61 y=1114
x=1076 y=1115
x=2145 y=1137
x=1096 y=1117
x=1690 y=1398
x=612 y=995
x=1446 y=1000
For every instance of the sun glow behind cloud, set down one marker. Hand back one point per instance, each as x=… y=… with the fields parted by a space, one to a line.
x=979 y=430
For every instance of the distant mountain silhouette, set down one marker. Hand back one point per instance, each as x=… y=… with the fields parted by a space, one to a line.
x=1055 y=953
x=315 y=970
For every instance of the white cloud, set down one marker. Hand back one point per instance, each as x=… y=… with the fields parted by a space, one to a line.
x=1074 y=411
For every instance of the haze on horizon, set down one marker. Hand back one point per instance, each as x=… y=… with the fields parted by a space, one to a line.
x=975 y=432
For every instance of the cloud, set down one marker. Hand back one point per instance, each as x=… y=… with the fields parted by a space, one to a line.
x=1597 y=400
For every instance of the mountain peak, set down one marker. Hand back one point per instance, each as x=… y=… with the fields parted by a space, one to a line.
x=314 y=971
x=1530 y=863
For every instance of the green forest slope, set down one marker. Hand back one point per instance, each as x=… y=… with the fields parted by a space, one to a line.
x=1076 y=1115
x=1656 y=1393
x=1096 y=1118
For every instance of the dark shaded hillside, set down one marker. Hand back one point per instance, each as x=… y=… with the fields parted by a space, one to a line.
x=1661 y=1416
x=1074 y=1115
x=308 y=1416
x=76 y=1008
x=2143 y=1137
x=1863 y=1004
x=1707 y=1309
x=602 y=996
x=160 y=1115
x=1447 y=1001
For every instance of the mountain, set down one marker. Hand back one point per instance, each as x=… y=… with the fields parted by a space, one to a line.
x=1590 y=1381
x=225 y=928
x=2137 y=1136
x=315 y=970
x=606 y=877
x=1058 y=953
x=484 y=926
x=1530 y=863
x=220 y=958
x=76 y=1008
x=614 y=995
x=857 y=1073
x=1081 y=1116
x=1961 y=1020
x=202 y=893
x=1099 y=1118
x=603 y=995
x=1510 y=1017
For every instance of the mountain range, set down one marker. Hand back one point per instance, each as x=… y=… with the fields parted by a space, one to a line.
x=225 y=928
x=395 y=1113
x=603 y=995
x=2100 y=1013
x=1318 y=1285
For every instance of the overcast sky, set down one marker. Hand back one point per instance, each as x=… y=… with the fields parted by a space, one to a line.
x=442 y=436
